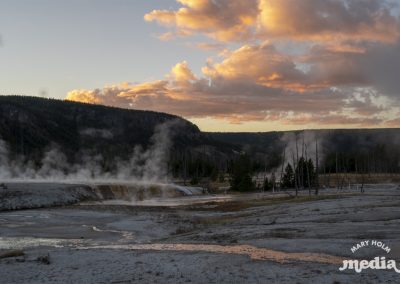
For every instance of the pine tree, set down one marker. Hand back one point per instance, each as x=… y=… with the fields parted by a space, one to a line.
x=288 y=177
x=241 y=175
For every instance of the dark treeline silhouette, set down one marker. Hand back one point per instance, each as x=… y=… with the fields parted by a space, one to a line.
x=30 y=125
x=327 y=158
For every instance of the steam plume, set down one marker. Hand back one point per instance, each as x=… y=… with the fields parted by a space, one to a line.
x=144 y=164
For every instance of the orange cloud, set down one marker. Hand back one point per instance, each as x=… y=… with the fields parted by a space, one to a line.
x=393 y=122
x=181 y=73
x=264 y=65
x=84 y=96
x=334 y=119
x=235 y=98
x=344 y=73
x=316 y=20
x=224 y=20
x=328 y=20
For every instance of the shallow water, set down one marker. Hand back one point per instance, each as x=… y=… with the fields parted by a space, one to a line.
x=255 y=253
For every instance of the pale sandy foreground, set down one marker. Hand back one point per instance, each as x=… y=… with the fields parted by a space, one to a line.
x=256 y=239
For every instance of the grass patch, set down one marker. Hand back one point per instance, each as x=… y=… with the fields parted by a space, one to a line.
x=238 y=205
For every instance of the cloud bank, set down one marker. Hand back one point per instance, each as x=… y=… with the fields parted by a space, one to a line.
x=311 y=62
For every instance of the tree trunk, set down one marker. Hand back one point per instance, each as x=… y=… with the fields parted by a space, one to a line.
x=283 y=164
x=295 y=175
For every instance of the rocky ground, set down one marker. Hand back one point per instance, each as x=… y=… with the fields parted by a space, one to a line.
x=257 y=238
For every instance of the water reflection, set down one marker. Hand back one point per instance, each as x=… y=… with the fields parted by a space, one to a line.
x=253 y=252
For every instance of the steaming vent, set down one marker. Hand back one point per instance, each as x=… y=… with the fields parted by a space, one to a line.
x=27 y=195
x=139 y=192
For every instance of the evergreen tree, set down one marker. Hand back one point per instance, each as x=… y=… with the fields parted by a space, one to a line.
x=306 y=172
x=241 y=174
x=288 y=177
x=267 y=185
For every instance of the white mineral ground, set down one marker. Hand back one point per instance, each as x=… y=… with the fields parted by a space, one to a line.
x=252 y=238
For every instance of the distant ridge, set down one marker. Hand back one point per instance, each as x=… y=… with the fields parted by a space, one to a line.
x=29 y=126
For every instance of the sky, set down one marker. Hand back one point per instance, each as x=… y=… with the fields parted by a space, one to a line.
x=226 y=65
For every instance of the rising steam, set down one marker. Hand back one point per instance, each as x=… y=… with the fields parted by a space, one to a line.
x=301 y=144
x=147 y=165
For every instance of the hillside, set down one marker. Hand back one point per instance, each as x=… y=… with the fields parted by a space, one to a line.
x=31 y=127
x=45 y=136
x=30 y=124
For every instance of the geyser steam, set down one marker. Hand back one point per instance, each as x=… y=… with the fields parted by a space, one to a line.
x=148 y=164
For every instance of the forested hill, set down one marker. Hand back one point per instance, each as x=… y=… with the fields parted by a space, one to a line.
x=379 y=148
x=29 y=125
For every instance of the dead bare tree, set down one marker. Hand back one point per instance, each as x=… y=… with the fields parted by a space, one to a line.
x=283 y=163
x=362 y=180
x=307 y=171
x=297 y=161
x=295 y=174
x=337 y=171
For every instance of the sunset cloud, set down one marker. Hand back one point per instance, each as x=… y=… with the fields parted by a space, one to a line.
x=345 y=72
x=263 y=65
x=182 y=73
x=224 y=20
x=329 y=20
x=236 y=99
x=377 y=66
x=317 y=20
